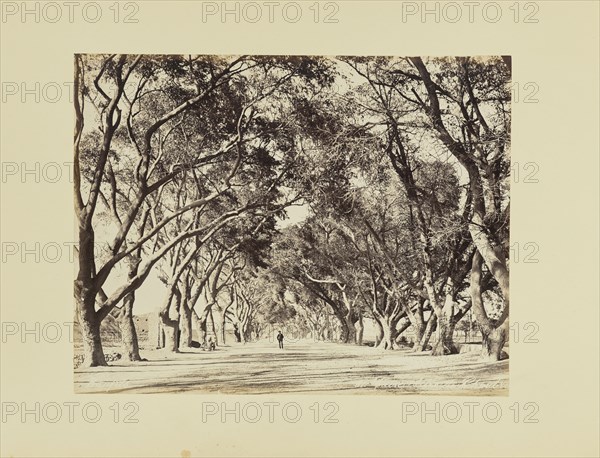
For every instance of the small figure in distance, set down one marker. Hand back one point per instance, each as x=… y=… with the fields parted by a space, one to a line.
x=211 y=344
x=280 y=339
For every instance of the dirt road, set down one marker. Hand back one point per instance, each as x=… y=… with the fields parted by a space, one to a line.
x=301 y=367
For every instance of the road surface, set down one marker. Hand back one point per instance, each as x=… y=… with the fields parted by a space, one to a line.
x=301 y=367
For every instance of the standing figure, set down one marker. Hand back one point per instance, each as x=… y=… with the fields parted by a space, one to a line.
x=211 y=344
x=280 y=339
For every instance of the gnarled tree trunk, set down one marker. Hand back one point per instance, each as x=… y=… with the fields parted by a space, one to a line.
x=129 y=339
x=92 y=343
x=212 y=326
x=171 y=327
x=185 y=325
x=236 y=333
x=90 y=327
x=388 y=342
x=360 y=329
x=444 y=344
x=379 y=331
x=349 y=331
x=423 y=343
x=201 y=327
x=400 y=329
x=494 y=332
x=222 y=322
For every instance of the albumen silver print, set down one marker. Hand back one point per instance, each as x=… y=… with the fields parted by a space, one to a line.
x=268 y=224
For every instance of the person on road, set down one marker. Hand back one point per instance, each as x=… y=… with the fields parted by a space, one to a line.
x=280 y=339
x=211 y=344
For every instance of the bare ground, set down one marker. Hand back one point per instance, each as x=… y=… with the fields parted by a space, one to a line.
x=302 y=367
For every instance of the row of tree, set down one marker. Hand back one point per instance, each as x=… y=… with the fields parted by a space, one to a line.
x=185 y=164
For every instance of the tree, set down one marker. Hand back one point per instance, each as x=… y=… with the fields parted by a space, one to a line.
x=152 y=119
x=410 y=131
x=481 y=94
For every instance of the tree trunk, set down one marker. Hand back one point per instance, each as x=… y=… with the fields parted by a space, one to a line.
x=201 y=327
x=222 y=327
x=419 y=331
x=185 y=315
x=314 y=333
x=493 y=333
x=344 y=332
x=494 y=342
x=350 y=330
x=444 y=344
x=236 y=333
x=92 y=343
x=379 y=333
x=171 y=334
x=247 y=334
x=185 y=324
x=360 y=329
x=170 y=326
x=349 y=320
x=423 y=343
x=212 y=326
x=129 y=339
x=161 y=335
x=388 y=341
x=90 y=329
x=244 y=332
x=401 y=329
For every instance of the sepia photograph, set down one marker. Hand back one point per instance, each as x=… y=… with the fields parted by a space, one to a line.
x=348 y=228
x=292 y=224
